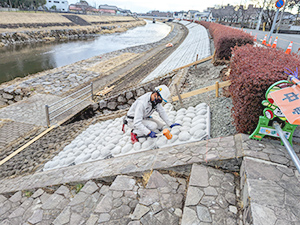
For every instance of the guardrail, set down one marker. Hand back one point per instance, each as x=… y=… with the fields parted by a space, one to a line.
x=47 y=107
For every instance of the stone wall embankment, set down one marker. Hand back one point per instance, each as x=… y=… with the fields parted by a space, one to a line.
x=24 y=37
x=125 y=99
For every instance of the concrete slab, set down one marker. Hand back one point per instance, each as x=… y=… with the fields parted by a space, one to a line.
x=270 y=193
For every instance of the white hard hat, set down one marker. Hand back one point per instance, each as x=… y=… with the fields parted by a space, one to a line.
x=164 y=92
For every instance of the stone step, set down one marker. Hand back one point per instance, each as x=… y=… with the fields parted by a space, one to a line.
x=270 y=193
x=39 y=207
x=211 y=197
x=127 y=201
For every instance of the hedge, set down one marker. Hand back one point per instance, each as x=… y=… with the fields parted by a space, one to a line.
x=253 y=71
x=225 y=38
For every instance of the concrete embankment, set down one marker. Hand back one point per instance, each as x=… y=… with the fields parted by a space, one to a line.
x=20 y=28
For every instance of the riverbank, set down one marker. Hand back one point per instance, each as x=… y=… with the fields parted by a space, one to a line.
x=24 y=28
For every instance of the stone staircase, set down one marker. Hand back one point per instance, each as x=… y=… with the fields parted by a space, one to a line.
x=157 y=199
x=77 y=20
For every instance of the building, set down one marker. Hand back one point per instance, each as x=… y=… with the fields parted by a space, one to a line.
x=108 y=9
x=203 y=16
x=191 y=14
x=81 y=6
x=57 y=5
x=180 y=15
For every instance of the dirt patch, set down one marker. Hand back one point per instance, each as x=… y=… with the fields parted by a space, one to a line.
x=108 y=65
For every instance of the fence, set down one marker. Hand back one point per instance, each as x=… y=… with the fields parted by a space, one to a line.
x=61 y=107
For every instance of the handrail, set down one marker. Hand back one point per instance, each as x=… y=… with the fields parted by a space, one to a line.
x=47 y=107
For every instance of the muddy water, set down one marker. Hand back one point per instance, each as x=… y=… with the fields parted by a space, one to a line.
x=19 y=61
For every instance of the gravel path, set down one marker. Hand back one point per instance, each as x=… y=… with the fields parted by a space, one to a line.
x=205 y=75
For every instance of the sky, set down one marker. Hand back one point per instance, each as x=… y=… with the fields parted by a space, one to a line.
x=143 y=6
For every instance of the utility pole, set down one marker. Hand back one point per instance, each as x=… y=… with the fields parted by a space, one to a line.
x=260 y=16
x=279 y=23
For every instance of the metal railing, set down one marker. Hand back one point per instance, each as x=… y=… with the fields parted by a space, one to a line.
x=49 y=112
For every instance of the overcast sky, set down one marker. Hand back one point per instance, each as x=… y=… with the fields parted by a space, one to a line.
x=161 y=5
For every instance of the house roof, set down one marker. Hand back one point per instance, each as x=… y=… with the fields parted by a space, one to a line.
x=111 y=7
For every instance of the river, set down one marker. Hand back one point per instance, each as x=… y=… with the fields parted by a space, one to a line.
x=21 y=60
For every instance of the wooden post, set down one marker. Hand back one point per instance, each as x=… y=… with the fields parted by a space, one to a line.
x=217 y=89
x=196 y=60
x=179 y=97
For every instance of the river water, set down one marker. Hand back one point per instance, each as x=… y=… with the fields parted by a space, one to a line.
x=21 y=60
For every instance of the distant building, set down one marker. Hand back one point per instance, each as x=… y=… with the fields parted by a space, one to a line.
x=180 y=15
x=191 y=14
x=108 y=9
x=57 y=5
x=159 y=14
x=82 y=6
x=203 y=16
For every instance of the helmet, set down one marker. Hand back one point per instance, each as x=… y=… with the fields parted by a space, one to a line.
x=163 y=91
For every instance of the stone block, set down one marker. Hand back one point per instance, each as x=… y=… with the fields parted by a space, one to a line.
x=121 y=99
x=7 y=96
x=112 y=105
x=102 y=104
x=140 y=92
x=129 y=95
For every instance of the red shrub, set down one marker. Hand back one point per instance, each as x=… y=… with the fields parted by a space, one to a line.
x=225 y=38
x=253 y=71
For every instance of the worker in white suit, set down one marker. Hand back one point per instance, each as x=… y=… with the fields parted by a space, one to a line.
x=139 y=118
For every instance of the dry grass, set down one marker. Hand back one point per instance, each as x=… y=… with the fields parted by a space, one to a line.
x=98 y=19
x=20 y=17
x=146 y=177
x=114 y=62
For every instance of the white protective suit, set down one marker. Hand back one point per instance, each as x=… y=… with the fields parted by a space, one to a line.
x=139 y=113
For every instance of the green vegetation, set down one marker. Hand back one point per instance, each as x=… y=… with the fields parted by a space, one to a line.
x=22 y=4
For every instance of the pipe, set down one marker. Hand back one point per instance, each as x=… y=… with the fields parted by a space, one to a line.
x=288 y=146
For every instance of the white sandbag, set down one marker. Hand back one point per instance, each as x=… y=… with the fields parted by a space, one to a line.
x=126 y=148
x=184 y=136
x=191 y=115
x=199 y=126
x=95 y=154
x=174 y=138
x=137 y=146
x=110 y=146
x=202 y=112
x=147 y=144
x=199 y=134
x=184 y=128
x=116 y=150
x=201 y=105
x=175 y=130
x=161 y=141
x=187 y=119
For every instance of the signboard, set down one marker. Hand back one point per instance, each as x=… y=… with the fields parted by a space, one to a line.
x=279 y=4
x=288 y=100
x=273 y=132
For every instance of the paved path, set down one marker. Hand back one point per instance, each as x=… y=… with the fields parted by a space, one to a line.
x=196 y=43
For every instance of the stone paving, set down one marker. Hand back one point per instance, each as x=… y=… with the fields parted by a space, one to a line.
x=11 y=131
x=32 y=110
x=270 y=193
x=211 y=197
x=196 y=43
